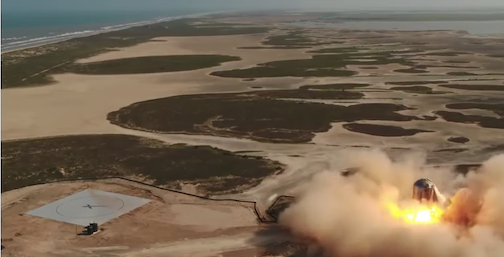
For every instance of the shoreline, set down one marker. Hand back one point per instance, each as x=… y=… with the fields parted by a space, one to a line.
x=305 y=24
x=111 y=29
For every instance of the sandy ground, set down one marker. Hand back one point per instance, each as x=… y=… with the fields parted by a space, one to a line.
x=171 y=223
x=78 y=104
x=37 y=112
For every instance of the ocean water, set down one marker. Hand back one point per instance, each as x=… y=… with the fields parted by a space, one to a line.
x=481 y=28
x=21 y=30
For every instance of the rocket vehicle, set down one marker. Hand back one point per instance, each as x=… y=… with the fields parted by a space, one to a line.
x=425 y=191
x=461 y=209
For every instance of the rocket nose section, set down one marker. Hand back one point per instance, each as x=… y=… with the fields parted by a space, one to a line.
x=424 y=190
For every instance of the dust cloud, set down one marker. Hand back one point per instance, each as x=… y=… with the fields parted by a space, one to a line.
x=347 y=216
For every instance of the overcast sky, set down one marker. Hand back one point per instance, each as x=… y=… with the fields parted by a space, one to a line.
x=214 y=5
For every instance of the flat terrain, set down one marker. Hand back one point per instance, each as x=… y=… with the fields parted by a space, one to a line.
x=219 y=105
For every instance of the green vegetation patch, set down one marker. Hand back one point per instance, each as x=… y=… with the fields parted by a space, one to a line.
x=461 y=73
x=422 y=66
x=382 y=130
x=335 y=86
x=336 y=50
x=459 y=140
x=455 y=61
x=28 y=162
x=309 y=94
x=272 y=47
x=411 y=70
x=265 y=116
x=331 y=65
x=407 y=83
x=33 y=66
x=451 y=150
x=495 y=108
x=418 y=90
x=150 y=64
x=444 y=53
x=208 y=23
x=292 y=38
x=270 y=72
x=408 y=51
x=482 y=121
x=474 y=87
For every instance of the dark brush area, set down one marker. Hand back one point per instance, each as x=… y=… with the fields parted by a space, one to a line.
x=335 y=86
x=461 y=73
x=451 y=54
x=336 y=50
x=265 y=116
x=272 y=47
x=214 y=171
x=418 y=90
x=411 y=70
x=495 y=108
x=382 y=130
x=33 y=66
x=460 y=140
x=150 y=64
x=409 y=83
x=326 y=65
x=482 y=121
x=295 y=38
x=477 y=87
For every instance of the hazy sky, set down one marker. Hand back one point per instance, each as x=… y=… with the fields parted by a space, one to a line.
x=214 y=5
x=404 y=4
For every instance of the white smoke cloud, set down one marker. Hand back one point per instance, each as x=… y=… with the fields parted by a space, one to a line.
x=347 y=216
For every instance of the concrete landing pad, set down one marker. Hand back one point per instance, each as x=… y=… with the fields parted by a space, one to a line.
x=89 y=206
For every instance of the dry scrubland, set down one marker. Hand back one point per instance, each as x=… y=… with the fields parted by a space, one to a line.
x=215 y=106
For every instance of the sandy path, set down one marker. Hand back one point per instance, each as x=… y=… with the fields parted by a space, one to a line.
x=14 y=196
x=210 y=218
x=209 y=246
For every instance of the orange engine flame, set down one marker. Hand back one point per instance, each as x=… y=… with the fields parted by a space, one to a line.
x=417 y=214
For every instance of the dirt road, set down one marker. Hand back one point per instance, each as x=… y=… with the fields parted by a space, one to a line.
x=211 y=246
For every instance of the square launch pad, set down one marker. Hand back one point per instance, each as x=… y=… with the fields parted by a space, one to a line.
x=89 y=206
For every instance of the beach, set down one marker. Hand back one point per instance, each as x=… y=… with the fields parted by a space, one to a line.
x=17 y=35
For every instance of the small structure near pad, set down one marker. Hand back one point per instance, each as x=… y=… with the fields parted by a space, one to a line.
x=89 y=230
x=89 y=206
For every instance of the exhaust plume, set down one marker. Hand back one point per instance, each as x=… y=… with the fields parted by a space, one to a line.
x=349 y=217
